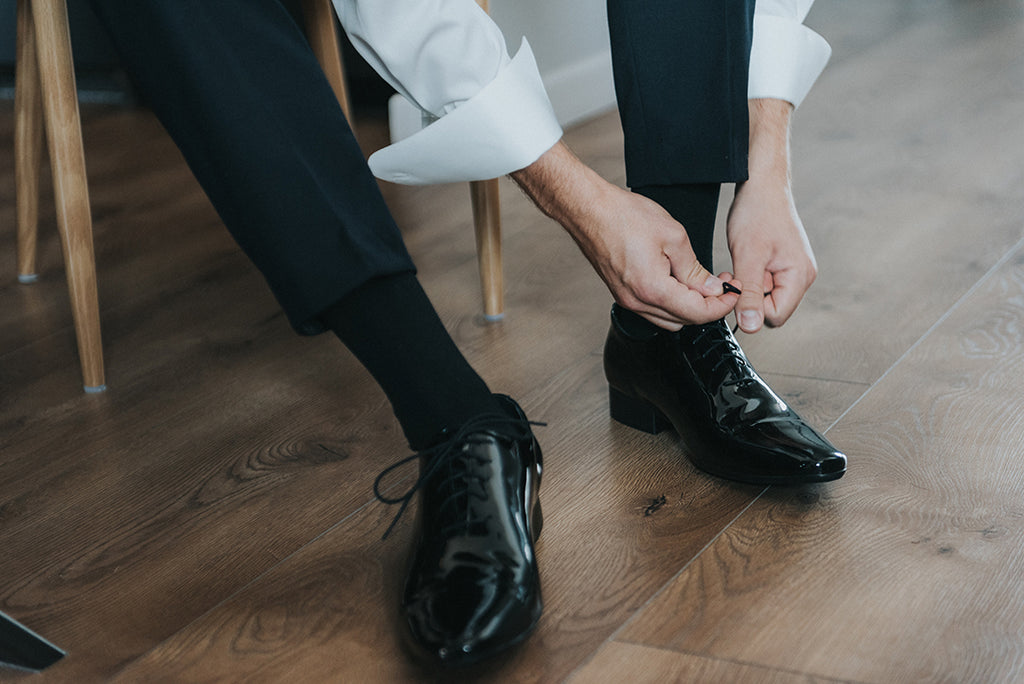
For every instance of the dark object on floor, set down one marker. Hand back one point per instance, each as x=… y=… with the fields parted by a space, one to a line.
x=22 y=648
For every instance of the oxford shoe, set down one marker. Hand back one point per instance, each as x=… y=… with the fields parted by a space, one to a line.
x=473 y=586
x=699 y=382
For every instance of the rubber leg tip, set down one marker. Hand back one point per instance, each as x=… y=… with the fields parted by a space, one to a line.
x=94 y=389
x=26 y=278
x=494 y=318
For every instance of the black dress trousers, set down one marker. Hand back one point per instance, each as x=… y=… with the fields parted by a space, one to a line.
x=680 y=70
x=236 y=85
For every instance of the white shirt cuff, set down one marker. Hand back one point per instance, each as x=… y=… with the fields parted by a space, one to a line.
x=507 y=126
x=786 y=58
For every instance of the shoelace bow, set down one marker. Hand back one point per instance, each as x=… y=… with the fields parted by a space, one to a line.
x=443 y=454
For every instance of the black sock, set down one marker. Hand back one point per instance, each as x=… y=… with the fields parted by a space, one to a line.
x=695 y=205
x=392 y=328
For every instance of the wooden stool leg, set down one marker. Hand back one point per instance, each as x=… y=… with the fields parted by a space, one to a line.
x=318 y=15
x=67 y=162
x=487 y=225
x=28 y=143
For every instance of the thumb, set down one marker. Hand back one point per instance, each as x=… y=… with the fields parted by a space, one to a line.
x=750 y=307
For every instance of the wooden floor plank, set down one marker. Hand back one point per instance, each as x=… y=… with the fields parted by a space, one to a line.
x=584 y=485
x=908 y=569
x=623 y=512
x=618 y=662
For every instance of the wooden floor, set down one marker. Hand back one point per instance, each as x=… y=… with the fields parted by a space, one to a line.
x=210 y=517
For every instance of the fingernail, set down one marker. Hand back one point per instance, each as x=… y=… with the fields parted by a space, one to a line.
x=729 y=287
x=712 y=282
x=749 y=320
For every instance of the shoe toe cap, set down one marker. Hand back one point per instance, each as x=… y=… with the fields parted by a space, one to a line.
x=464 y=622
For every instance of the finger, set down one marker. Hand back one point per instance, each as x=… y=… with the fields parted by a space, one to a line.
x=685 y=268
x=750 y=307
x=782 y=301
x=661 y=322
x=751 y=269
x=730 y=285
x=650 y=309
x=680 y=303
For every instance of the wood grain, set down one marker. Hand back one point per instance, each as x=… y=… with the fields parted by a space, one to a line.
x=28 y=139
x=908 y=569
x=617 y=662
x=210 y=517
x=581 y=548
x=49 y=20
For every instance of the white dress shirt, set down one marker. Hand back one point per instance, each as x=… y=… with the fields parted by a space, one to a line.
x=786 y=57
x=492 y=113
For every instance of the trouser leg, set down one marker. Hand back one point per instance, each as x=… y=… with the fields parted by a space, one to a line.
x=681 y=84
x=680 y=72
x=238 y=89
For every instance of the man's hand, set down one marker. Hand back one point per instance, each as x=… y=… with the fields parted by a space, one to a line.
x=642 y=254
x=769 y=247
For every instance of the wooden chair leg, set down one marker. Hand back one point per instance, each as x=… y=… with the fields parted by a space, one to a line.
x=28 y=143
x=487 y=225
x=318 y=15
x=67 y=162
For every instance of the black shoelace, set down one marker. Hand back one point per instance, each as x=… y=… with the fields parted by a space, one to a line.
x=724 y=347
x=439 y=457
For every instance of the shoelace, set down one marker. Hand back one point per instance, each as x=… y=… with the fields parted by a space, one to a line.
x=732 y=352
x=443 y=454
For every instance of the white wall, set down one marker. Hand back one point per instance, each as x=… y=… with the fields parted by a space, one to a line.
x=570 y=41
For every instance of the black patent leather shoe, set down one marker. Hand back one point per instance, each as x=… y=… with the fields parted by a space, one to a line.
x=699 y=382
x=473 y=588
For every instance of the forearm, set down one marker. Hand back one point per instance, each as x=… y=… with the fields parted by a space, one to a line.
x=563 y=188
x=769 y=158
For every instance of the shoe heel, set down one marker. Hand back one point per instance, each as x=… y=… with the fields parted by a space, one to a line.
x=636 y=413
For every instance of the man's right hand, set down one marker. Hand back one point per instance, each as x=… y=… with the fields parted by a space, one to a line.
x=642 y=254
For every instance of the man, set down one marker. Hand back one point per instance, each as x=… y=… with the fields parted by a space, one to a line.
x=239 y=91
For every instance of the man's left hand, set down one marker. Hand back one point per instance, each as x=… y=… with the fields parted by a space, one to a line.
x=770 y=251
x=771 y=255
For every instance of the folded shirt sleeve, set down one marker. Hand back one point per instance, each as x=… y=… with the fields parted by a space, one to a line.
x=447 y=57
x=491 y=114
x=786 y=57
